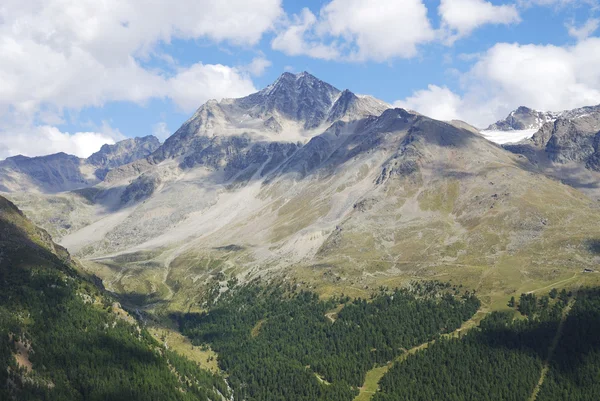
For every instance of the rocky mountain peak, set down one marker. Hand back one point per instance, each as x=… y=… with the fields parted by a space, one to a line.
x=299 y=97
x=122 y=152
x=523 y=118
x=293 y=109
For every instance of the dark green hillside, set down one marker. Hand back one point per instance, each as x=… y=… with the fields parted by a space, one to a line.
x=500 y=360
x=574 y=372
x=61 y=339
x=277 y=344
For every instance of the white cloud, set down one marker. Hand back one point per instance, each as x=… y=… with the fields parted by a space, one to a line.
x=542 y=77
x=76 y=53
x=435 y=102
x=358 y=30
x=69 y=54
x=299 y=38
x=555 y=3
x=45 y=139
x=195 y=85
x=258 y=66
x=161 y=131
x=461 y=17
x=584 y=31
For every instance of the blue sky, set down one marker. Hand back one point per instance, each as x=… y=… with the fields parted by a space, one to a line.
x=81 y=73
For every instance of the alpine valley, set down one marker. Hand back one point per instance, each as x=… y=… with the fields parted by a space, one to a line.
x=257 y=231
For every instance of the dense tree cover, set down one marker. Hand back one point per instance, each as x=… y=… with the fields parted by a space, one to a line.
x=78 y=347
x=575 y=367
x=500 y=360
x=277 y=344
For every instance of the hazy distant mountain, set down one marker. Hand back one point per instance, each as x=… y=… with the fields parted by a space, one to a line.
x=122 y=152
x=61 y=172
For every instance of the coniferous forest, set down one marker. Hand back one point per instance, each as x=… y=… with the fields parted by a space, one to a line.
x=574 y=372
x=277 y=344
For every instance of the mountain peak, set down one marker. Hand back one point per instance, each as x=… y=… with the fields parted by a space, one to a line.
x=299 y=97
x=523 y=118
x=296 y=82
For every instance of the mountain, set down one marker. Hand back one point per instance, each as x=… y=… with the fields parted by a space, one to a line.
x=301 y=181
x=567 y=148
x=61 y=172
x=292 y=109
x=523 y=118
x=122 y=152
x=61 y=338
x=523 y=122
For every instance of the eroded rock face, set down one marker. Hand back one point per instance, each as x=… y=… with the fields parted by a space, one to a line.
x=295 y=108
x=523 y=118
x=121 y=153
x=566 y=140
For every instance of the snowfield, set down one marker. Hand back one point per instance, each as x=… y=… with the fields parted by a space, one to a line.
x=502 y=137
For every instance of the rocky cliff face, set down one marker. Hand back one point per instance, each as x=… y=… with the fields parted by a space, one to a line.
x=523 y=118
x=121 y=153
x=572 y=137
x=295 y=108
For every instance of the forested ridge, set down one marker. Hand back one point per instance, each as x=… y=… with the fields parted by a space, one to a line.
x=502 y=359
x=574 y=372
x=278 y=344
x=72 y=342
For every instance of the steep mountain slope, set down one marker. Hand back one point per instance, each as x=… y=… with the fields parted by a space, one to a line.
x=121 y=153
x=373 y=197
x=524 y=118
x=567 y=149
x=523 y=122
x=62 y=339
x=61 y=172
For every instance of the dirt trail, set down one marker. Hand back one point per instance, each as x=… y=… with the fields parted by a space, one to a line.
x=551 y=350
x=553 y=285
x=374 y=375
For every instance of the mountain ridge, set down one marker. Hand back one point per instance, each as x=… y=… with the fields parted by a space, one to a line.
x=62 y=172
x=360 y=200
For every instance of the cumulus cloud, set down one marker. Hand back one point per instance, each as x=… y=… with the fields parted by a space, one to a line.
x=45 y=139
x=258 y=66
x=461 y=17
x=357 y=30
x=584 y=31
x=555 y=3
x=543 y=77
x=299 y=38
x=78 y=53
x=70 y=54
x=436 y=102
x=195 y=85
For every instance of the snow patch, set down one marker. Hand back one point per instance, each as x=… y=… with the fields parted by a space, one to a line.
x=503 y=137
